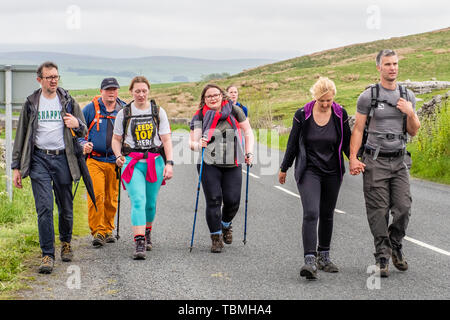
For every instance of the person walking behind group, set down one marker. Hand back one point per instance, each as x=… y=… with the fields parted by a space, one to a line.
x=389 y=110
x=220 y=127
x=234 y=95
x=142 y=145
x=44 y=150
x=319 y=137
x=100 y=116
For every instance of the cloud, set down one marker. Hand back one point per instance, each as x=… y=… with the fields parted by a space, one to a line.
x=273 y=27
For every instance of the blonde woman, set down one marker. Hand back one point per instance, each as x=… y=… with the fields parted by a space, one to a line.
x=320 y=135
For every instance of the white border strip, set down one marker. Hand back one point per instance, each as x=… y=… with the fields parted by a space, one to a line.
x=287 y=191
x=423 y=244
x=251 y=174
x=420 y=243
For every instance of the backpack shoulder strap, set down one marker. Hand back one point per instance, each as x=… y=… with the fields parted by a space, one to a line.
x=374 y=94
x=200 y=114
x=96 y=117
x=404 y=95
x=126 y=121
x=155 y=112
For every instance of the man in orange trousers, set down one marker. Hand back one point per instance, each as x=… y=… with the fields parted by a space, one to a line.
x=100 y=115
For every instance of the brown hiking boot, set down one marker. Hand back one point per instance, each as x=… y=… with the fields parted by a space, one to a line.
x=309 y=270
x=227 y=234
x=46 y=265
x=99 y=240
x=109 y=238
x=399 y=260
x=66 y=252
x=217 y=243
x=383 y=265
x=148 y=240
x=324 y=263
x=139 y=253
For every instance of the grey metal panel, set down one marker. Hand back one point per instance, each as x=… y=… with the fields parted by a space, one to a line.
x=2 y=86
x=23 y=84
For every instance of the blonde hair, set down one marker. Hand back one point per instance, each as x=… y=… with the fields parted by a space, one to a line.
x=322 y=87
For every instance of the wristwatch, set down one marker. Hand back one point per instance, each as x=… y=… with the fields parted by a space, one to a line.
x=170 y=162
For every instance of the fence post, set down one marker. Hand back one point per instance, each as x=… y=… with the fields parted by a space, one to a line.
x=8 y=129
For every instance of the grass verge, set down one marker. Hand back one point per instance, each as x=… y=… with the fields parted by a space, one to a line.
x=19 y=238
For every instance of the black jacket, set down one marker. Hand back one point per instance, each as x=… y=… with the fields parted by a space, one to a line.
x=296 y=143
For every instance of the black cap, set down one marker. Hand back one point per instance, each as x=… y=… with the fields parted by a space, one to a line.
x=109 y=83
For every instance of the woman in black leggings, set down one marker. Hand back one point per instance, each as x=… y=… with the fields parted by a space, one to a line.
x=320 y=135
x=221 y=128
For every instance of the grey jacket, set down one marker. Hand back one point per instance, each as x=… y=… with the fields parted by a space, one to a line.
x=26 y=132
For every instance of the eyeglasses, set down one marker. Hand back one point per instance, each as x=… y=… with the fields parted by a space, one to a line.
x=50 y=78
x=214 y=96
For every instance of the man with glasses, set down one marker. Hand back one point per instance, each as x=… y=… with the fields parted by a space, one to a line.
x=43 y=150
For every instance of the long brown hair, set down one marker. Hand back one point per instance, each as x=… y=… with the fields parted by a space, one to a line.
x=209 y=86
x=139 y=79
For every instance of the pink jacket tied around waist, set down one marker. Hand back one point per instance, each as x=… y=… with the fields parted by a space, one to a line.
x=151 y=168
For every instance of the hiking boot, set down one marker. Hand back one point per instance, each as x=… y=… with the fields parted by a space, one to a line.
x=383 y=265
x=324 y=263
x=46 y=265
x=227 y=234
x=148 y=240
x=109 y=238
x=139 y=253
x=309 y=270
x=217 y=243
x=398 y=259
x=66 y=252
x=99 y=240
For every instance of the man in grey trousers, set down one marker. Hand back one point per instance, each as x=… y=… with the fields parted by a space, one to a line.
x=43 y=150
x=391 y=116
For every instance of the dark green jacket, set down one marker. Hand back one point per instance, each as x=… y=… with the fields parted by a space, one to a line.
x=27 y=127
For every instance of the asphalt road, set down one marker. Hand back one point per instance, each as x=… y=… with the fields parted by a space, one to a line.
x=267 y=267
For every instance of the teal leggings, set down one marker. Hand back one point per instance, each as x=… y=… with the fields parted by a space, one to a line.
x=142 y=193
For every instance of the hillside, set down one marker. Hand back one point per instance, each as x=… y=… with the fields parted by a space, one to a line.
x=275 y=91
x=82 y=71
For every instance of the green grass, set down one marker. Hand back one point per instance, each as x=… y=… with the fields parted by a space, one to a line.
x=19 y=238
x=430 y=149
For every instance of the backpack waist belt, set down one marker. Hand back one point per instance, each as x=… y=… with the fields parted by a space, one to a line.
x=127 y=150
x=393 y=154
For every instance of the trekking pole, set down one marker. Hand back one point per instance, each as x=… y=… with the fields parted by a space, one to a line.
x=119 y=175
x=246 y=203
x=196 y=201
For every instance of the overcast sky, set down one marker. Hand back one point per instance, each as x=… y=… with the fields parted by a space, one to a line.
x=275 y=29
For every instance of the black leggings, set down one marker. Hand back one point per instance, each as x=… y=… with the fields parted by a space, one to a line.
x=319 y=193
x=221 y=185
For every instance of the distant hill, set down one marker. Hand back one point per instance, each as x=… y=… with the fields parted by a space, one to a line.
x=82 y=71
x=275 y=91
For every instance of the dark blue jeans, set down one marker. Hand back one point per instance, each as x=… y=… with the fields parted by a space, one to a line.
x=51 y=174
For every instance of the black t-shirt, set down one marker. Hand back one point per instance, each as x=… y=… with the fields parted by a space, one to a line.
x=321 y=143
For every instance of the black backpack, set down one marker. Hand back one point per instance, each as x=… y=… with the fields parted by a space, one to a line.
x=126 y=122
x=375 y=93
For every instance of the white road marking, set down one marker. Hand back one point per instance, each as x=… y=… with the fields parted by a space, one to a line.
x=420 y=243
x=287 y=191
x=251 y=174
x=425 y=245
x=296 y=195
